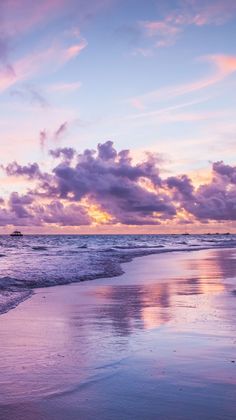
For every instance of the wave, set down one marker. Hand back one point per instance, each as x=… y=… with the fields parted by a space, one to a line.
x=70 y=259
x=39 y=248
x=130 y=247
x=12 y=292
x=221 y=242
x=9 y=300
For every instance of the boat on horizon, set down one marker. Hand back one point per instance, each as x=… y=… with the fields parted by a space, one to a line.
x=16 y=233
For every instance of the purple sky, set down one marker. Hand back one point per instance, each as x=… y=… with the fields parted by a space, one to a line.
x=118 y=116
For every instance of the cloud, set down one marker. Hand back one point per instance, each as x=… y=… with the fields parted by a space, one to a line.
x=18 y=204
x=226 y=172
x=30 y=171
x=165 y=33
x=27 y=67
x=65 y=87
x=19 y=17
x=215 y=200
x=206 y=12
x=23 y=210
x=66 y=153
x=70 y=215
x=182 y=186
x=125 y=192
x=109 y=179
x=224 y=66
x=61 y=131
x=8 y=217
x=74 y=50
x=38 y=61
x=30 y=94
x=43 y=136
x=171 y=114
x=24 y=16
x=46 y=137
x=167 y=30
x=7 y=77
x=104 y=177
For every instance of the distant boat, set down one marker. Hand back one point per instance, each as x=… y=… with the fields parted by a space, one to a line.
x=16 y=233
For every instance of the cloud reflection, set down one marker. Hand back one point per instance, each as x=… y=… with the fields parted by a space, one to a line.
x=129 y=308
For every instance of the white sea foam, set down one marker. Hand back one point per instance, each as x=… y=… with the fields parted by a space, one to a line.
x=40 y=261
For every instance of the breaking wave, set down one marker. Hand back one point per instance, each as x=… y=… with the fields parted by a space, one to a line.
x=41 y=261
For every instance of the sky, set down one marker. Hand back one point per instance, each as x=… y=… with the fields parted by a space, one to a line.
x=118 y=116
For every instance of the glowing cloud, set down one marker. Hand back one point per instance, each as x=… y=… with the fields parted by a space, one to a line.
x=106 y=187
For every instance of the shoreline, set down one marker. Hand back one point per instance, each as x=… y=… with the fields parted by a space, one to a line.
x=156 y=342
x=159 y=338
x=125 y=258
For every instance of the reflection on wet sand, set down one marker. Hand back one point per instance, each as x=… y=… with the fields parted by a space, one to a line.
x=126 y=344
x=134 y=307
x=128 y=307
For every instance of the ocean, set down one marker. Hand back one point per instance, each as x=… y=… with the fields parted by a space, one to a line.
x=34 y=261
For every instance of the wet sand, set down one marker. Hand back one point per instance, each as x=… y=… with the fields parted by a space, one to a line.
x=158 y=342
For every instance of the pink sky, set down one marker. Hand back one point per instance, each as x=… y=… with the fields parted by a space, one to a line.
x=157 y=79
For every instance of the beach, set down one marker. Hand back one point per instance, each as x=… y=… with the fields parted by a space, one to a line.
x=157 y=342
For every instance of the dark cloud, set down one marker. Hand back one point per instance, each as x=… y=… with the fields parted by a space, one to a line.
x=17 y=210
x=31 y=94
x=66 y=153
x=60 y=131
x=8 y=218
x=105 y=177
x=213 y=201
x=182 y=187
x=43 y=136
x=70 y=215
x=106 y=151
x=131 y=193
x=18 y=204
x=112 y=180
x=24 y=210
x=31 y=171
x=226 y=171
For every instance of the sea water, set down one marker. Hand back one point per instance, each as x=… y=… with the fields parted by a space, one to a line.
x=34 y=261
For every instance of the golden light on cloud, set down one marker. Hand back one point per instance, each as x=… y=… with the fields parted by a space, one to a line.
x=184 y=216
x=200 y=176
x=98 y=216
x=147 y=184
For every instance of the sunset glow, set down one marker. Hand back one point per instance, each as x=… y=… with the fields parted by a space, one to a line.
x=118 y=117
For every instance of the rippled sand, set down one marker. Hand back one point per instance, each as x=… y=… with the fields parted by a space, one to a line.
x=158 y=342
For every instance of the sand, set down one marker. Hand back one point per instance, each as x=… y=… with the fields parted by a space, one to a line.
x=158 y=342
